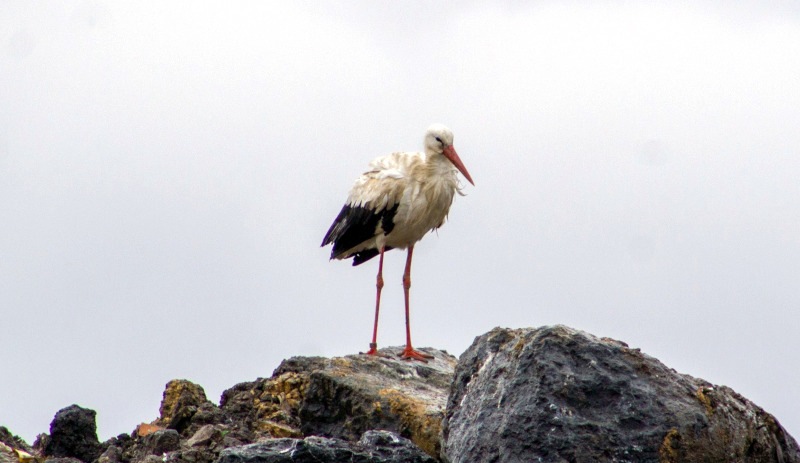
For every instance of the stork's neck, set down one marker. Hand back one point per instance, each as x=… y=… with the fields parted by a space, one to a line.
x=438 y=165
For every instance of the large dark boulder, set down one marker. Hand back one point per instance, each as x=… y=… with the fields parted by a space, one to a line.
x=555 y=394
x=73 y=433
x=373 y=447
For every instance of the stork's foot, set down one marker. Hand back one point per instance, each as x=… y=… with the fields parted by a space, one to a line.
x=409 y=353
x=373 y=350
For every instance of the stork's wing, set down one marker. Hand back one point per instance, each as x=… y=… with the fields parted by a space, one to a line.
x=357 y=225
x=369 y=212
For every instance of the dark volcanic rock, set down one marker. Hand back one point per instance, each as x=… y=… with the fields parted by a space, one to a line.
x=374 y=447
x=162 y=441
x=556 y=394
x=73 y=433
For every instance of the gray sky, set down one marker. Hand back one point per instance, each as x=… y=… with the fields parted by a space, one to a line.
x=168 y=170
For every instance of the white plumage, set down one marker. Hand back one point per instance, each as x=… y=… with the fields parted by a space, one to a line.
x=394 y=204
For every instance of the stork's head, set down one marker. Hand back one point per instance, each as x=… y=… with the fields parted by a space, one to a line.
x=439 y=140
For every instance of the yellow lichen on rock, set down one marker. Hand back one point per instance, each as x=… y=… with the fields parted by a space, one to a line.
x=423 y=429
x=701 y=394
x=11 y=454
x=178 y=391
x=668 y=452
x=277 y=401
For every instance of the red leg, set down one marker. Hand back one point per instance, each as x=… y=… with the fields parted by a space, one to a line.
x=373 y=346
x=409 y=352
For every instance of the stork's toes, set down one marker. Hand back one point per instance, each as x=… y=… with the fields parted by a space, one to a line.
x=373 y=350
x=412 y=354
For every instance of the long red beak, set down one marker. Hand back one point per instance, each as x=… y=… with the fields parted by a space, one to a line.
x=450 y=153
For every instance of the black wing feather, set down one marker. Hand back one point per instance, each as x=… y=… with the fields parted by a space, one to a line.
x=353 y=226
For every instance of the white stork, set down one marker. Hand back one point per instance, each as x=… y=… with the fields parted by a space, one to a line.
x=394 y=204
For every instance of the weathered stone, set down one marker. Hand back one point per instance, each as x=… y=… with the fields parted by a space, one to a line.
x=301 y=364
x=7 y=454
x=12 y=441
x=346 y=396
x=373 y=447
x=13 y=449
x=180 y=402
x=205 y=436
x=163 y=441
x=265 y=407
x=73 y=433
x=112 y=454
x=121 y=449
x=556 y=394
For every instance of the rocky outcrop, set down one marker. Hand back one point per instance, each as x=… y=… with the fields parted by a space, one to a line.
x=338 y=400
x=552 y=394
x=353 y=394
x=556 y=394
x=185 y=408
x=73 y=434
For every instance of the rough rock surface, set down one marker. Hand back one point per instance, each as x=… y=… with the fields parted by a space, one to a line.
x=353 y=394
x=12 y=441
x=73 y=434
x=373 y=447
x=185 y=408
x=13 y=449
x=556 y=394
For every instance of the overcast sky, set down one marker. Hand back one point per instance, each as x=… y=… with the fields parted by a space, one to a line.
x=168 y=171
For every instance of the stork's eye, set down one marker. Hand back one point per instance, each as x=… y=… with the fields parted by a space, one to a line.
x=438 y=139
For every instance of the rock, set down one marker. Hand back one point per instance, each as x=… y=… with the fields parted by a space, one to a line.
x=73 y=434
x=205 y=436
x=353 y=394
x=555 y=394
x=343 y=397
x=162 y=441
x=184 y=408
x=373 y=447
x=112 y=454
x=393 y=448
x=12 y=441
x=7 y=454
x=265 y=407
x=61 y=460
x=13 y=449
